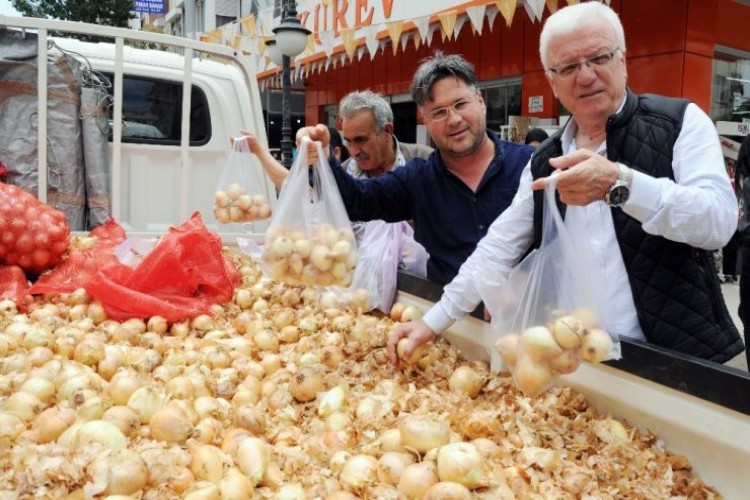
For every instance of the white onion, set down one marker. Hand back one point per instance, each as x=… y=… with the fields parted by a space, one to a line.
x=145 y=401
x=358 y=472
x=596 y=345
x=417 y=479
x=447 y=490
x=391 y=466
x=170 y=424
x=253 y=456
x=306 y=384
x=206 y=461
x=24 y=404
x=122 y=417
x=102 y=433
x=465 y=380
x=11 y=426
x=116 y=472
x=424 y=433
x=236 y=486
x=461 y=463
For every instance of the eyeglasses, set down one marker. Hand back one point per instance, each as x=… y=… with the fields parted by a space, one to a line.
x=439 y=114
x=571 y=69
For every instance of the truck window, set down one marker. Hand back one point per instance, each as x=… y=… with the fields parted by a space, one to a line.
x=152 y=112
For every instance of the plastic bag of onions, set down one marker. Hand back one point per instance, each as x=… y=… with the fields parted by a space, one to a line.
x=33 y=235
x=546 y=316
x=310 y=240
x=243 y=194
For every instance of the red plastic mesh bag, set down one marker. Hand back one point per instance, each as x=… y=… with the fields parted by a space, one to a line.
x=33 y=235
x=13 y=283
x=179 y=279
x=81 y=265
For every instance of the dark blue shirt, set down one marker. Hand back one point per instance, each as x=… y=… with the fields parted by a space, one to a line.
x=449 y=218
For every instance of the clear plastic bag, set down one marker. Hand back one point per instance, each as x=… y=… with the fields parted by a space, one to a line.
x=243 y=195
x=546 y=315
x=413 y=255
x=310 y=240
x=374 y=282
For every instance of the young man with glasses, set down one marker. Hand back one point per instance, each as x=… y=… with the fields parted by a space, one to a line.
x=454 y=195
x=642 y=176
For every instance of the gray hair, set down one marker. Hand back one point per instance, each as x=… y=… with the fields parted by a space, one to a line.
x=354 y=102
x=570 y=18
x=436 y=68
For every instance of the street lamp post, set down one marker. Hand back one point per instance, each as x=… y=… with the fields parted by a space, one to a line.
x=289 y=42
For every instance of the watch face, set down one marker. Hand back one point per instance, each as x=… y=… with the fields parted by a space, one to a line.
x=618 y=195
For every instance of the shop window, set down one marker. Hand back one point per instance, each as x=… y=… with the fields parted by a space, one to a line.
x=152 y=112
x=730 y=92
x=503 y=99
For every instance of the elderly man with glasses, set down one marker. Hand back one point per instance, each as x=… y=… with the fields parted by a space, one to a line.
x=642 y=176
x=455 y=194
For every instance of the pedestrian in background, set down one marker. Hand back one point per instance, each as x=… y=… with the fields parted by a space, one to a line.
x=536 y=137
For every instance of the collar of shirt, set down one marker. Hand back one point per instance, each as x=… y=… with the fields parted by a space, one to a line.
x=569 y=133
x=493 y=168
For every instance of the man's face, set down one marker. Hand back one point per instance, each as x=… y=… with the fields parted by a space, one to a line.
x=373 y=152
x=593 y=90
x=455 y=119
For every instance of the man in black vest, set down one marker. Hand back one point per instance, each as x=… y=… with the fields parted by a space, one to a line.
x=643 y=176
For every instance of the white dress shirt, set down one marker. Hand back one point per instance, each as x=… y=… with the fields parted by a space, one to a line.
x=698 y=208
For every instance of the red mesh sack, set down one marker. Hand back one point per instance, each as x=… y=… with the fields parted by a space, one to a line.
x=179 y=279
x=33 y=235
x=80 y=265
x=13 y=283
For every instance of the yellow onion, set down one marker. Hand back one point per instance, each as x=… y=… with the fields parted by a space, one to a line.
x=568 y=331
x=417 y=478
x=208 y=431
x=203 y=490
x=596 y=345
x=415 y=356
x=11 y=426
x=116 y=472
x=24 y=404
x=122 y=385
x=253 y=456
x=170 y=424
x=531 y=376
x=232 y=439
x=390 y=440
x=391 y=466
x=290 y=492
x=331 y=355
x=40 y=387
x=465 y=380
x=206 y=461
x=423 y=433
x=145 y=401
x=236 y=486
x=122 y=417
x=94 y=407
x=251 y=418
x=358 y=472
x=89 y=351
x=539 y=343
x=306 y=384
x=447 y=490
x=114 y=358
x=461 y=463
x=100 y=432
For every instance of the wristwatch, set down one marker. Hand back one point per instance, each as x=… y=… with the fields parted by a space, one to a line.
x=619 y=192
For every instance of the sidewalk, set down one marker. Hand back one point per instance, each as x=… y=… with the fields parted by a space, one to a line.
x=732 y=297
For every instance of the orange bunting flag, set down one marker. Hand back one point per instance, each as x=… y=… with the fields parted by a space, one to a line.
x=572 y=2
x=248 y=24
x=347 y=36
x=448 y=23
x=552 y=6
x=394 y=31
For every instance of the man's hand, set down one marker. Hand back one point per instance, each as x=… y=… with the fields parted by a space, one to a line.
x=416 y=331
x=582 y=177
x=252 y=141
x=318 y=133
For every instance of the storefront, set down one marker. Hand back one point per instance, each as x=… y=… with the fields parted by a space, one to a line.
x=698 y=49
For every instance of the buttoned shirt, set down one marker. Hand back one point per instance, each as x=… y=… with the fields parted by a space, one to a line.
x=449 y=218
x=698 y=208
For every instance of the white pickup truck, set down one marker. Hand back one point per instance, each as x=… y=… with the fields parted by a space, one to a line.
x=170 y=116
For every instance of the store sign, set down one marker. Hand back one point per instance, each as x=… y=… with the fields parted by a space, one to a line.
x=733 y=128
x=149 y=6
x=536 y=104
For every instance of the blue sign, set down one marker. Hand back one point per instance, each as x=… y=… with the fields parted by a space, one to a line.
x=150 y=6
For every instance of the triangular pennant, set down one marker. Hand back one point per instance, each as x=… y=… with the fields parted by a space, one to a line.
x=552 y=6
x=248 y=24
x=404 y=41
x=262 y=47
x=572 y=2
x=347 y=38
x=326 y=41
x=534 y=8
x=476 y=16
x=360 y=53
x=417 y=40
x=310 y=47
x=457 y=27
x=326 y=2
x=430 y=32
x=371 y=40
x=394 y=30
x=447 y=22
x=423 y=26
x=237 y=42
x=491 y=15
x=507 y=8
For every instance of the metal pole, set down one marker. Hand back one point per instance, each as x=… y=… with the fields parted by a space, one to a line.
x=286 y=114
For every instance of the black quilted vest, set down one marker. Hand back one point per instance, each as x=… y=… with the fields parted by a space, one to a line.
x=675 y=286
